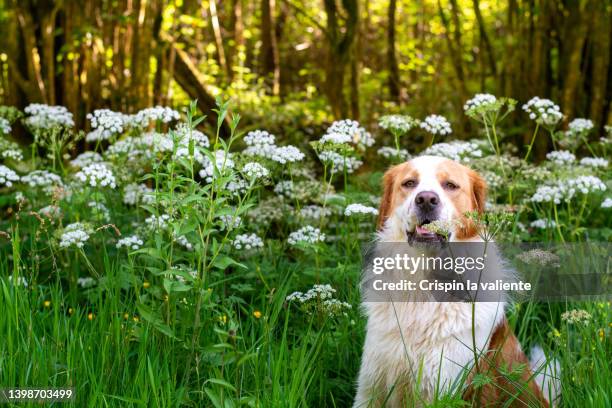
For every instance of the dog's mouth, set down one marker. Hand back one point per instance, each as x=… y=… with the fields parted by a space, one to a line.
x=421 y=234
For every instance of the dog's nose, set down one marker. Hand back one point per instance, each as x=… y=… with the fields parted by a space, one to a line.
x=427 y=200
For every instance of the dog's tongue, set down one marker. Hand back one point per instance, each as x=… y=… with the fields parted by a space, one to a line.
x=421 y=230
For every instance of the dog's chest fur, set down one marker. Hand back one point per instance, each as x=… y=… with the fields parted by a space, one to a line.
x=425 y=345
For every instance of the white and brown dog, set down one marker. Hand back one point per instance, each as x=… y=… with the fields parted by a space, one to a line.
x=415 y=351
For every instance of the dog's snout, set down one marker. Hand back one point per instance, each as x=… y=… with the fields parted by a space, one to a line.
x=427 y=200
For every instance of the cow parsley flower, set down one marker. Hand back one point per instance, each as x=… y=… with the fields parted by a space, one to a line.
x=543 y=224
x=247 y=242
x=481 y=101
x=397 y=124
x=561 y=157
x=97 y=175
x=85 y=159
x=7 y=176
x=356 y=209
x=43 y=116
x=338 y=162
x=594 y=162
x=607 y=203
x=391 y=153
x=436 y=125
x=259 y=138
x=237 y=187
x=86 y=282
x=348 y=131
x=42 y=178
x=156 y=114
x=230 y=222
x=74 y=234
x=580 y=126
x=134 y=194
x=456 y=150
x=255 y=171
x=287 y=154
x=565 y=190
x=543 y=111
x=306 y=235
x=315 y=212
x=320 y=300
x=222 y=162
x=184 y=242
x=19 y=281
x=52 y=212
x=10 y=150
x=5 y=126
x=106 y=123
x=539 y=257
x=154 y=222
x=576 y=316
x=185 y=135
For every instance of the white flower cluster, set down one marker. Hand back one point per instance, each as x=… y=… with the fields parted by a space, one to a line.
x=154 y=222
x=354 y=209
x=156 y=114
x=543 y=111
x=607 y=203
x=7 y=176
x=262 y=144
x=97 y=175
x=74 y=234
x=247 y=242
x=237 y=187
x=43 y=116
x=594 y=162
x=399 y=124
x=565 y=190
x=5 y=126
x=580 y=125
x=338 y=162
x=389 y=152
x=561 y=157
x=255 y=171
x=42 y=178
x=184 y=242
x=480 y=101
x=320 y=299
x=436 y=125
x=10 y=150
x=576 y=316
x=230 y=222
x=86 y=282
x=105 y=123
x=51 y=212
x=306 y=235
x=456 y=150
x=315 y=212
x=99 y=210
x=539 y=257
x=222 y=162
x=543 y=224
x=284 y=188
x=19 y=280
x=134 y=194
x=85 y=159
x=347 y=131
x=185 y=135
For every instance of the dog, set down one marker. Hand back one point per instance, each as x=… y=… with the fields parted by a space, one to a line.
x=415 y=351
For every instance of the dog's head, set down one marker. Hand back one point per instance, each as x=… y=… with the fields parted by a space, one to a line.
x=427 y=189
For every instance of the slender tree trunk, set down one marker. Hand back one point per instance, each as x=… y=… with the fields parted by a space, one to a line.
x=602 y=34
x=269 y=50
x=485 y=38
x=216 y=26
x=394 y=76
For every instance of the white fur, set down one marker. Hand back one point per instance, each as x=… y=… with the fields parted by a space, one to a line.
x=414 y=350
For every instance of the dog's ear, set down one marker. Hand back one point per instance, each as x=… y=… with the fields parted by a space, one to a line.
x=386 y=203
x=479 y=191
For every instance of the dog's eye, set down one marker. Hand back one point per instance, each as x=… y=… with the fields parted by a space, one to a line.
x=449 y=185
x=410 y=183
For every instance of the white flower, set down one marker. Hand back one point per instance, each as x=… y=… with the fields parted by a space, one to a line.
x=134 y=194
x=97 y=175
x=580 y=125
x=221 y=163
x=576 y=316
x=85 y=159
x=230 y=222
x=607 y=203
x=51 y=212
x=287 y=154
x=315 y=212
x=353 y=209
x=322 y=292
x=106 y=123
x=400 y=124
x=185 y=135
x=480 y=101
x=255 y=171
x=307 y=235
x=5 y=126
x=565 y=190
x=594 y=162
x=154 y=222
x=86 y=282
x=436 y=125
x=339 y=162
x=338 y=138
x=247 y=242
x=184 y=242
x=20 y=281
x=46 y=117
x=561 y=157
x=545 y=194
x=237 y=187
x=389 y=152
x=259 y=138
x=543 y=111
x=12 y=154
x=543 y=224
x=155 y=114
x=42 y=178
x=455 y=150
x=284 y=188
x=99 y=209
x=348 y=131
x=74 y=234
x=320 y=299
x=7 y=176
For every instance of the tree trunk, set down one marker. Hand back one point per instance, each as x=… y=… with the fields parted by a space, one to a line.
x=216 y=26
x=269 y=49
x=394 y=76
x=602 y=33
x=485 y=38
